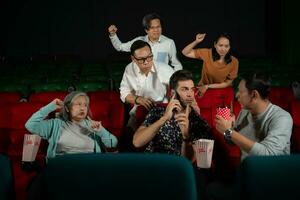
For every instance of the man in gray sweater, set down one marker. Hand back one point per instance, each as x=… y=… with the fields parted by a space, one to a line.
x=262 y=128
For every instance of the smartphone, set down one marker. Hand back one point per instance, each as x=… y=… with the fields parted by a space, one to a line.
x=174 y=92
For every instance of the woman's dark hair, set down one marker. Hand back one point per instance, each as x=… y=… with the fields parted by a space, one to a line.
x=180 y=75
x=138 y=44
x=259 y=82
x=148 y=18
x=215 y=54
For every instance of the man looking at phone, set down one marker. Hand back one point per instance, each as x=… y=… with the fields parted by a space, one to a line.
x=172 y=129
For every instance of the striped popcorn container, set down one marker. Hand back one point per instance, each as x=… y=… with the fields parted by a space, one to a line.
x=203 y=149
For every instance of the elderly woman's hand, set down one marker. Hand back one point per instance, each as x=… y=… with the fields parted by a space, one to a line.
x=96 y=125
x=58 y=103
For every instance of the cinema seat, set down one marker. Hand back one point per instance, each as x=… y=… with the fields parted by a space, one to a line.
x=281 y=96
x=119 y=176
x=6 y=179
x=47 y=97
x=10 y=97
x=269 y=177
x=110 y=113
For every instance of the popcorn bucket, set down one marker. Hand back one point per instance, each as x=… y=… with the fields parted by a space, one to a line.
x=30 y=147
x=224 y=112
x=203 y=149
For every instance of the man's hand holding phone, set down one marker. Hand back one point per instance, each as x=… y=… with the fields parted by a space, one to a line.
x=173 y=106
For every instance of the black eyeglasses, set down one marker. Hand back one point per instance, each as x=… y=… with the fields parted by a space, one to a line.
x=142 y=60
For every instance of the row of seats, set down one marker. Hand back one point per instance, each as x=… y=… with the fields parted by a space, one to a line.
x=106 y=106
x=154 y=176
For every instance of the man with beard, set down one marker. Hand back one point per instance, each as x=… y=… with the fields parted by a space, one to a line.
x=173 y=128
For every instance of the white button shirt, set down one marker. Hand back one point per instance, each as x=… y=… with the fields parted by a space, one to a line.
x=154 y=85
x=164 y=50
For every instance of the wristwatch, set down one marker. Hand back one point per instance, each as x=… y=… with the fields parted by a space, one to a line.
x=227 y=135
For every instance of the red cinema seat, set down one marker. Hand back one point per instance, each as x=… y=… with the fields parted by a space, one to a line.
x=47 y=97
x=205 y=113
x=236 y=108
x=281 y=96
x=10 y=97
x=110 y=113
x=216 y=97
x=104 y=96
x=5 y=116
x=20 y=113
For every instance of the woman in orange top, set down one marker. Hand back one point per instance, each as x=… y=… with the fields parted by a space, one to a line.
x=220 y=68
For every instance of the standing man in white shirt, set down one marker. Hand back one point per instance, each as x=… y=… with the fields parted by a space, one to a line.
x=163 y=48
x=145 y=82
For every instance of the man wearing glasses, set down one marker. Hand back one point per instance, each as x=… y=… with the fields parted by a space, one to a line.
x=144 y=81
x=164 y=49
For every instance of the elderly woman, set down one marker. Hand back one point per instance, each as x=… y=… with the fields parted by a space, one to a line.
x=72 y=131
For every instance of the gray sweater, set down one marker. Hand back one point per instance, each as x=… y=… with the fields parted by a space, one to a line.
x=271 y=131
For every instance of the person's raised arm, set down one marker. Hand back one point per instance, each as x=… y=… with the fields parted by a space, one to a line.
x=37 y=124
x=189 y=51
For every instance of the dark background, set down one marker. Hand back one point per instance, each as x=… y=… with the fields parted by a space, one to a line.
x=260 y=28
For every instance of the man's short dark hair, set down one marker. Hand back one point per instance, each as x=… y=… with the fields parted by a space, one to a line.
x=180 y=75
x=148 y=18
x=259 y=82
x=138 y=44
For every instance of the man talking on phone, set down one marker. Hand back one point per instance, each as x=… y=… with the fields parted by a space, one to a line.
x=172 y=129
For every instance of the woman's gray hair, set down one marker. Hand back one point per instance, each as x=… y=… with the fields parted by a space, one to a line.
x=65 y=111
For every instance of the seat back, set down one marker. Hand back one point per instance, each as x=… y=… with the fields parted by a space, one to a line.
x=119 y=176
x=270 y=177
x=281 y=96
x=10 y=97
x=47 y=97
x=6 y=179
x=110 y=113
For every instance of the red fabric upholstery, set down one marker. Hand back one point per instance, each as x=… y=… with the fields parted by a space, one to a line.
x=110 y=113
x=216 y=97
x=281 y=96
x=9 y=97
x=206 y=115
x=104 y=96
x=18 y=114
x=5 y=118
x=47 y=97
x=21 y=112
x=236 y=108
x=141 y=113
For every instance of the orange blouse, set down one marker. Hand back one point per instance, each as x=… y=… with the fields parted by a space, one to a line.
x=213 y=71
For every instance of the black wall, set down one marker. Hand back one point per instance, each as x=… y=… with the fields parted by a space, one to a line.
x=35 y=27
